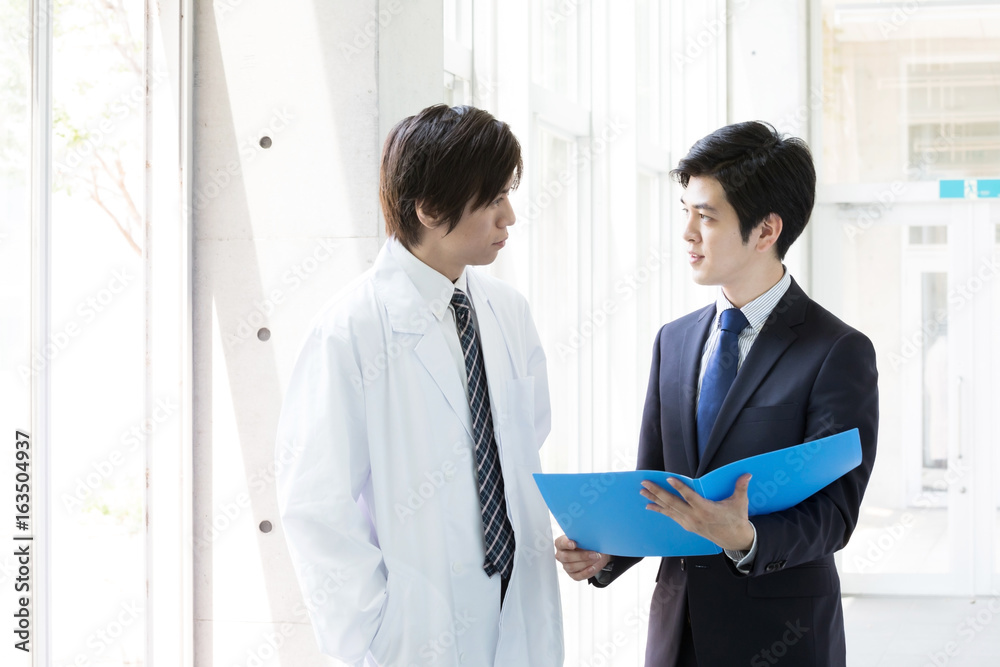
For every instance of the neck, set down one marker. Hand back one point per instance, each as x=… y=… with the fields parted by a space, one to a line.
x=753 y=285
x=447 y=269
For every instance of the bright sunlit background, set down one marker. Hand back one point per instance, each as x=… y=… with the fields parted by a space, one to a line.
x=261 y=127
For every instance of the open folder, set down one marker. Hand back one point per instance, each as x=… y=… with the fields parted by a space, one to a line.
x=605 y=512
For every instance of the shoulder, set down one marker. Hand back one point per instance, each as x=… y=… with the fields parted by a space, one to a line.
x=686 y=322
x=821 y=325
x=353 y=307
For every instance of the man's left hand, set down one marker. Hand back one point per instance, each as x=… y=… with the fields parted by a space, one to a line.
x=724 y=522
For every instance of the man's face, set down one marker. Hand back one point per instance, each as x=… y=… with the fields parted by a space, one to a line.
x=475 y=240
x=715 y=248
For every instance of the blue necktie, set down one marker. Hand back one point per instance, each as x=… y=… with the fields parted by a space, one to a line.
x=720 y=372
x=496 y=526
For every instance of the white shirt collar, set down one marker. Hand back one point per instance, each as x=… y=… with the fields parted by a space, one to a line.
x=758 y=310
x=435 y=289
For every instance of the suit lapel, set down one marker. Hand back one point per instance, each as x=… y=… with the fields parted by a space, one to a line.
x=691 y=349
x=771 y=343
x=408 y=314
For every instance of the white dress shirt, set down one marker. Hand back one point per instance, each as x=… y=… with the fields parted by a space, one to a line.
x=437 y=291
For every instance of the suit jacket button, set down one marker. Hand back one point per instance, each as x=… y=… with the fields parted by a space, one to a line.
x=682 y=564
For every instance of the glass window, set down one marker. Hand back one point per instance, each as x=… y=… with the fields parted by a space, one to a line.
x=457 y=91
x=551 y=215
x=16 y=367
x=458 y=21
x=912 y=91
x=647 y=74
x=555 y=63
x=98 y=430
x=928 y=234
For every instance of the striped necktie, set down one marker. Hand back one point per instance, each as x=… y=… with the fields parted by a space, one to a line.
x=496 y=527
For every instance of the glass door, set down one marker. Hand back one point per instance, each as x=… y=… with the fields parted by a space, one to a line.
x=918 y=279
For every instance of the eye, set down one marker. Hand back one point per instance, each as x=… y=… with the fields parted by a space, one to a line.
x=703 y=217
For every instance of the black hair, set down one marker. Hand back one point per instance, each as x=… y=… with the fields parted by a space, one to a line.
x=444 y=158
x=761 y=173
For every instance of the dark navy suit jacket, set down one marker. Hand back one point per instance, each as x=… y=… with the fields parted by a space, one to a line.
x=808 y=375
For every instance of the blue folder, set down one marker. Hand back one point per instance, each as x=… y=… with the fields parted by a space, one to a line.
x=605 y=512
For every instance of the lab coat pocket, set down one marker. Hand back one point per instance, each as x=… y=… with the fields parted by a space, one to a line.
x=385 y=643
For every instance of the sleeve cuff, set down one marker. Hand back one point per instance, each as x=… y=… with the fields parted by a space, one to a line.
x=604 y=576
x=744 y=559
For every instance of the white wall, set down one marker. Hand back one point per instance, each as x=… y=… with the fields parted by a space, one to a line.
x=277 y=231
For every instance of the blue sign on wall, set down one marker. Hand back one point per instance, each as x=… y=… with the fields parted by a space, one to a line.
x=970 y=188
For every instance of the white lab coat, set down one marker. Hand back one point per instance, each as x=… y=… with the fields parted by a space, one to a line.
x=377 y=485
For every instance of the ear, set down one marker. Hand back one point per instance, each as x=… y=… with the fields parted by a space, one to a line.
x=769 y=230
x=425 y=218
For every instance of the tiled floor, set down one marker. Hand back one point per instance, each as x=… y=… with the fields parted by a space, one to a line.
x=922 y=632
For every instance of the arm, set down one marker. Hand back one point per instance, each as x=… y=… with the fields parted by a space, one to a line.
x=844 y=396
x=537 y=369
x=322 y=465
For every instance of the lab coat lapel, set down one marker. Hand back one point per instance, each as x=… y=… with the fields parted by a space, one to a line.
x=771 y=343
x=408 y=314
x=493 y=344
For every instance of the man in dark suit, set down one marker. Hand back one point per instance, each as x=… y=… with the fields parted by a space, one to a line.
x=763 y=368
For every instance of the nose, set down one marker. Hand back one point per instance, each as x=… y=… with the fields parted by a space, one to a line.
x=509 y=217
x=691 y=231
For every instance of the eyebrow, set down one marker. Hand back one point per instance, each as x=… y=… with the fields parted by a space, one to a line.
x=703 y=207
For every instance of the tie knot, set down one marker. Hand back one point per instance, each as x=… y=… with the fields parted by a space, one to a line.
x=460 y=302
x=733 y=320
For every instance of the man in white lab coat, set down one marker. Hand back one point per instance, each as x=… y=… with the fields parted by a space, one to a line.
x=415 y=527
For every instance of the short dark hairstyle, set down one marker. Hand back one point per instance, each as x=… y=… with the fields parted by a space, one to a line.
x=761 y=173
x=444 y=158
